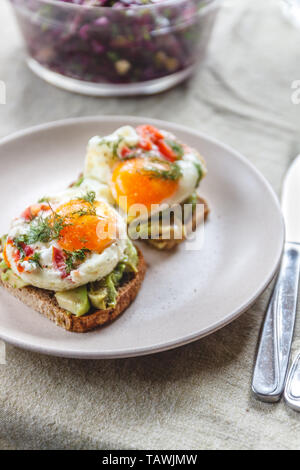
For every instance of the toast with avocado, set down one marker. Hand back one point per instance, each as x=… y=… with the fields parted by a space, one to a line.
x=148 y=172
x=69 y=257
x=84 y=308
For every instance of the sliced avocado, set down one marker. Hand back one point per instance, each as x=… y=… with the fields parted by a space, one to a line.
x=98 y=298
x=118 y=272
x=131 y=258
x=112 y=292
x=3 y=240
x=75 y=301
x=13 y=280
x=3 y=266
x=103 y=294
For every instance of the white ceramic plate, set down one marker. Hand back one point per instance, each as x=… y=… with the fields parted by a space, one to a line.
x=186 y=294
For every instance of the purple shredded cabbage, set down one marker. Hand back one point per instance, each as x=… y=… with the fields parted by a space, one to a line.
x=111 y=3
x=120 y=45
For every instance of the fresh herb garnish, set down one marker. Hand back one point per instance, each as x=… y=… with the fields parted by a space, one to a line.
x=176 y=147
x=42 y=230
x=43 y=199
x=173 y=172
x=19 y=243
x=74 y=257
x=90 y=197
x=200 y=172
x=35 y=259
x=115 y=146
x=79 y=181
x=82 y=212
x=56 y=226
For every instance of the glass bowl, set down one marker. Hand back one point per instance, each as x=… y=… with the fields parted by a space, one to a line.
x=107 y=51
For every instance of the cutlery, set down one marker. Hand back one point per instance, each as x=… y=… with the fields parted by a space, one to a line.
x=277 y=333
x=292 y=388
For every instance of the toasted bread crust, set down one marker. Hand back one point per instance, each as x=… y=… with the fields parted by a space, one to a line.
x=169 y=244
x=44 y=302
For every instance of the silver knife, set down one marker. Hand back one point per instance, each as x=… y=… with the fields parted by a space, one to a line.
x=277 y=333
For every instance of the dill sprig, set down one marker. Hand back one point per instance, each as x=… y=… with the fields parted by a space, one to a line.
x=79 y=181
x=43 y=199
x=75 y=257
x=41 y=230
x=82 y=212
x=90 y=197
x=35 y=259
x=173 y=172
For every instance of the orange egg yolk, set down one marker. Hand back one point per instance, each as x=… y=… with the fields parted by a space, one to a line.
x=139 y=186
x=83 y=228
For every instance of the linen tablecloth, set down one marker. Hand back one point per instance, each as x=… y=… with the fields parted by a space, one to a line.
x=198 y=396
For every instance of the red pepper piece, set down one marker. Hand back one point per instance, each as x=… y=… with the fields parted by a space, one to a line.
x=27 y=249
x=59 y=261
x=166 y=151
x=32 y=211
x=126 y=151
x=151 y=132
x=26 y=215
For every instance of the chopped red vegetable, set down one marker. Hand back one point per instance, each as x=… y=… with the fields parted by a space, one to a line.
x=59 y=261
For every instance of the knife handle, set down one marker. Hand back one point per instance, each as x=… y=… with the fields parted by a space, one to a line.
x=292 y=388
x=277 y=333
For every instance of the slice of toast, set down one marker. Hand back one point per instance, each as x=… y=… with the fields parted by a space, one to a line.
x=196 y=219
x=44 y=302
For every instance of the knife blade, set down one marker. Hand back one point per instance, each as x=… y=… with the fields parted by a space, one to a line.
x=273 y=354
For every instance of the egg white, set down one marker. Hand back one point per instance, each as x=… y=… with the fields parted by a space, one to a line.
x=100 y=153
x=95 y=266
x=100 y=161
x=88 y=184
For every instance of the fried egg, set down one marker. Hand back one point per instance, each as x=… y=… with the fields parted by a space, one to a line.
x=66 y=240
x=144 y=166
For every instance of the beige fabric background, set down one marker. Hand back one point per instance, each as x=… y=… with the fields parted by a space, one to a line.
x=196 y=397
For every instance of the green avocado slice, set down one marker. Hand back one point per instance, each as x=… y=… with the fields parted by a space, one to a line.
x=75 y=301
x=13 y=280
x=98 y=298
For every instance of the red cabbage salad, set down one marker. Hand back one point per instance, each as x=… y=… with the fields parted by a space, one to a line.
x=111 y=3
x=133 y=41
